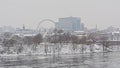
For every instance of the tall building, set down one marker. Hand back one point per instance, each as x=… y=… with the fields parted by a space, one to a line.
x=70 y=24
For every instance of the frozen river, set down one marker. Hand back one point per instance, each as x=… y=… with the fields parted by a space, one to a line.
x=96 y=60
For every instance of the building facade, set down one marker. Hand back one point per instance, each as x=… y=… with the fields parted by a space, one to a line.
x=70 y=24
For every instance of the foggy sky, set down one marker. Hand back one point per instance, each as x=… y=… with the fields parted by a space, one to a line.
x=15 y=13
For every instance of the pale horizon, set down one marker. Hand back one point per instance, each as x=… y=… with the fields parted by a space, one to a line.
x=15 y=13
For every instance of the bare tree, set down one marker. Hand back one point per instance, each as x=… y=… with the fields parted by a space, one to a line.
x=28 y=40
x=91 y=39
x=9 y=43
x=7 y=35
x=54 y=39
x=83 y=41
x=37 y=39
x=104 y=42
x=19 y=43
x=19 y=40
x=74 y=40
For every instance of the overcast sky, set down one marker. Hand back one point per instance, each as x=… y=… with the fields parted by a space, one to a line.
x=15 y=13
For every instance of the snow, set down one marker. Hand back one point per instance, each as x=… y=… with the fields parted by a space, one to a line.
x=52 y=49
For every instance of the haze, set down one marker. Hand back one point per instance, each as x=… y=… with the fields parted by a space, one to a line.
x=15 y=13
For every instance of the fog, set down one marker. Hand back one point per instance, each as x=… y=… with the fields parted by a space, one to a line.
x=15 y=13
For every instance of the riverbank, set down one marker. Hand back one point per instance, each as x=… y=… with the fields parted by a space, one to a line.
x=54 y=50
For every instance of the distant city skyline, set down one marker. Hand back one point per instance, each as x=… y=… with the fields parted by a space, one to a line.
x=70 y=24
x=15 y=13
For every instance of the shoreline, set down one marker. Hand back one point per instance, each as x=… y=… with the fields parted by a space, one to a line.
x=49 y=54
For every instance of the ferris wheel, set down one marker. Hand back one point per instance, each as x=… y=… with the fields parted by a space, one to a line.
x=45 y=25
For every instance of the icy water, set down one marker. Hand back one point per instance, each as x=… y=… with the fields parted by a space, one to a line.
x=96 y=60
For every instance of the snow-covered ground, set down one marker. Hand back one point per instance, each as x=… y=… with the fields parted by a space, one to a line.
x=44 y=49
